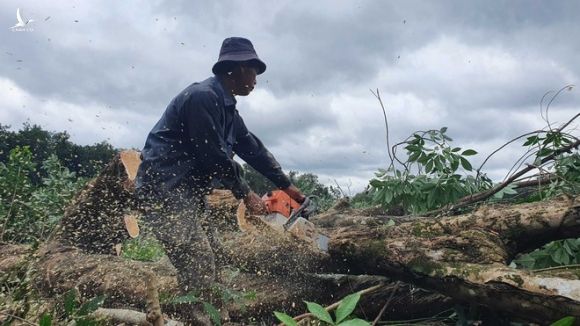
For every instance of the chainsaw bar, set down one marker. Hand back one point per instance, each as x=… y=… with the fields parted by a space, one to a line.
x=296 y=214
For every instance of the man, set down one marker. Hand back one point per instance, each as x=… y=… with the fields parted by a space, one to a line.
x=191 y=148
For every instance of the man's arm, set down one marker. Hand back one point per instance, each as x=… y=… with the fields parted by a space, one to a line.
x=253 y=151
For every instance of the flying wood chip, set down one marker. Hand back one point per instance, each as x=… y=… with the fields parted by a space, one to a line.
x=118 y=249
x=241 y=217
x=131 y=160
x=131 y=225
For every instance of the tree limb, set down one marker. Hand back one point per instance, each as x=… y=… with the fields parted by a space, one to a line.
x=129 y=317
x=470 y=199
x=154 y=315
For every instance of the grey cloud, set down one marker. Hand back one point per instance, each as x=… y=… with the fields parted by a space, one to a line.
x=277 y=120
x=101 y=58
x=322 y=58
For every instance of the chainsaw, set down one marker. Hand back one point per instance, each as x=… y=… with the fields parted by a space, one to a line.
x=287 y=215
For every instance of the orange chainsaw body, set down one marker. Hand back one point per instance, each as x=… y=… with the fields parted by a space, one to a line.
x=278 y=201
x=280 y=209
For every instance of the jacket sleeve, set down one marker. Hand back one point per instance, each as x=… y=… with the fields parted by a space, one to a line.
x=204 y=123
x=251 y=150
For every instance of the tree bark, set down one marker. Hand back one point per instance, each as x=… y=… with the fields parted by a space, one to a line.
x=466 y=257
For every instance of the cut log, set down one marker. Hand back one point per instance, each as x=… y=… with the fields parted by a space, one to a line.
x=462 y=258
x=466 y=257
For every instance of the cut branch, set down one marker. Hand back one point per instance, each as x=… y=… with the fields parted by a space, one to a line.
x=154 y=315
x=130 y=317
x=471 y=199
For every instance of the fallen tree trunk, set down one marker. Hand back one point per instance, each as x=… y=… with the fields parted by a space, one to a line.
x=463 y=257
x=466 y=257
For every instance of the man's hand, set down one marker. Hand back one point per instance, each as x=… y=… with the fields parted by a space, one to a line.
x=254 y=204
x=294 y=193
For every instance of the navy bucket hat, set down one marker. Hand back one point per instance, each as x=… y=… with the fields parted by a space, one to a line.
x=237 y=49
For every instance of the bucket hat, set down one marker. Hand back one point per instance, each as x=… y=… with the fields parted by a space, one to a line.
x=237 y=49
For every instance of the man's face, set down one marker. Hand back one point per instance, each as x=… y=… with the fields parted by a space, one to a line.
x=245 y=79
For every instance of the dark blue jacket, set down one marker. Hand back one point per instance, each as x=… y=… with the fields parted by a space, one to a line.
x=192 y=146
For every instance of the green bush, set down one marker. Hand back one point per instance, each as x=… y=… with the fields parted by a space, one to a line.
x=29 y=212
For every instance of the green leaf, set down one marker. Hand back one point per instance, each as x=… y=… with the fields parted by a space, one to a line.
x=561 y=257
x=398 y=173
x=456 y=149
x=355 y=322
x=348 y=303
x=443 y=130
x=91 y=305
x=566 y=321
x=430 y=199
x=70 y=302
x=319 y=312
x=544 y=260
x=45 y=320
x=428 y=186
x=188 y=298
x=465 y=164
x=429 y=167
x=468 y=152
x=566 y=141
x=285 y=319
x=572 y=244
x=414 y=156
x=412 y=148
x=388 y=197
x=526 y=261
x=567 y=248
x=438 y=164
x=545 y=152
x=531 y=141
x=423 y=158
x=378 y=196
x=213 y=313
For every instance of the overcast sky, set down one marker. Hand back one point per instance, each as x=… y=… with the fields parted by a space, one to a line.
x=105 y=70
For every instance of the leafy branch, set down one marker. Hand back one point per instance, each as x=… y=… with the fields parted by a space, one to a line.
x=344 y=309
x=543 y=156
x=429 y=182
x=437 y=182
